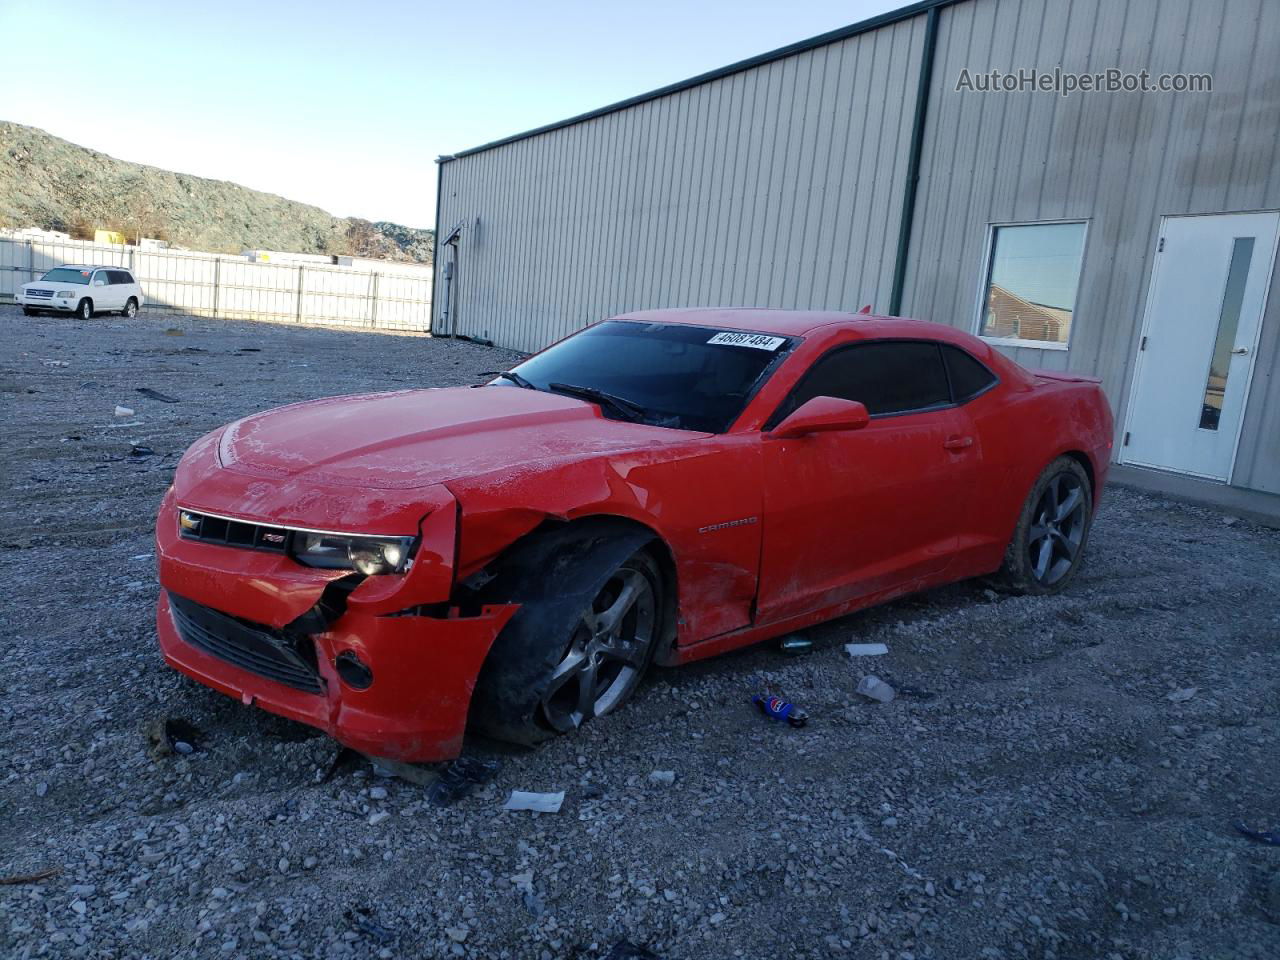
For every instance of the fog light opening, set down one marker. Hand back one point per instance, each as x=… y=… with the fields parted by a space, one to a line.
x=353 y=671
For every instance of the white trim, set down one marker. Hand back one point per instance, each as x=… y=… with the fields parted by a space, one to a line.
x=1139 y=365
x=1026 y=344
x=984 y=281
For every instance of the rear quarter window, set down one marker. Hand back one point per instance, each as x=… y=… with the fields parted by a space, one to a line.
x=969 y=377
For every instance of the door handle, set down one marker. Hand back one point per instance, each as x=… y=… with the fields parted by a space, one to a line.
x=1240 y=351
x=958 y=443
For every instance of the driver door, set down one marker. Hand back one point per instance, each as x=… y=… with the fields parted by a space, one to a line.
x=850 y=514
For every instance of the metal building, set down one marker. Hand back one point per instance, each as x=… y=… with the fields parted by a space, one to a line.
x=1128 y=235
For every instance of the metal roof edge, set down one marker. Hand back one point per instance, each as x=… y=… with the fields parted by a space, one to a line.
x=800 y=46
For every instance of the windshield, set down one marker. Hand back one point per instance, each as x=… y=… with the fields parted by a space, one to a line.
x=67 y=275
x=689 y=378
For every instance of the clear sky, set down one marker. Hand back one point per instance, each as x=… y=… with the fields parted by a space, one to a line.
x=347 y=104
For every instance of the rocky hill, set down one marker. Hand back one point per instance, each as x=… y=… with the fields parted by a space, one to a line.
x=56 y=185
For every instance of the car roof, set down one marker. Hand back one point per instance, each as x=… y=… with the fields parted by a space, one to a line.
x=88 y=266
x=792 y=323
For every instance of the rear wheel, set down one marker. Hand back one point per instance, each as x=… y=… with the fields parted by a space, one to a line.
x=130 y=309
x=1053 y=529
x=85 y=309
x=576 y=651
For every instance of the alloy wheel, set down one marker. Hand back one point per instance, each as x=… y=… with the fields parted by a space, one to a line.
x=1057 y=529
x=606 y=653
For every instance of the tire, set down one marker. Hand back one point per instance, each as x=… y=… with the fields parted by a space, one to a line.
x=84 y=310
x=579 y=644
x=1053 y=530
x=130 y=309
x=28 y=312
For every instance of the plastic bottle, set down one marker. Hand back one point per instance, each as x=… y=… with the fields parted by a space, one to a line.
x=780 y=709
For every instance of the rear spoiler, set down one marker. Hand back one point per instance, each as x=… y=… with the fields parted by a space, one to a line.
x=1064 y=377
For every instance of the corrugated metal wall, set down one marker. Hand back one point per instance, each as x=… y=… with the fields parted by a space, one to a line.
x=1119 y=161
x=779 y=186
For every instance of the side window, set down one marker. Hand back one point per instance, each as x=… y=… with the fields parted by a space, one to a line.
x=893 y=376
x=968 y=377
x=102 y=277
x=124 y=276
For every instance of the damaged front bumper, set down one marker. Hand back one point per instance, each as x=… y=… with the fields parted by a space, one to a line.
x=383 y=664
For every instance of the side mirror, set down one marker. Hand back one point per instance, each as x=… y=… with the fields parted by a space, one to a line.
x=822 y=415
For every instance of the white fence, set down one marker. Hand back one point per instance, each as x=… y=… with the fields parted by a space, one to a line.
x=220 y=285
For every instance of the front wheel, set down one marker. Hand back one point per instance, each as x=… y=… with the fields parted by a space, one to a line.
x=85 y=310
x=559 y=664
x=130 y=309
x=1053 y=528
x=28 y=312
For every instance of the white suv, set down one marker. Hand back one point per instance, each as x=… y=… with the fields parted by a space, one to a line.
x=82 y=290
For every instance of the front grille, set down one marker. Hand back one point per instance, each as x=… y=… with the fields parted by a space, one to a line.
x=40 y=293
x=250 y=646
x=232 y=533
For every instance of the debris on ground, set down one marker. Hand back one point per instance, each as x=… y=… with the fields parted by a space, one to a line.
x=345 y=759
x=123 y=411
x=1262 y=836
x=361 y=919
x=174 y=332
x=55 y=363
x=794 y=645
x=865 y=649
x=537 y=802
x=414 y=773
x=22 y=878
x=457 y=777
x=157 y=395
x=139 y=452
x=780 y=709
x=1183 y=694
x=169 y=735
x=874 y=688
x=664 y=777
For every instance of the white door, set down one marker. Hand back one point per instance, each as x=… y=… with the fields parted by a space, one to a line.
x=1204 y=310
x=104 y=297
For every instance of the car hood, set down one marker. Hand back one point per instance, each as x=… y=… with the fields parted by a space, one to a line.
x=416 y=438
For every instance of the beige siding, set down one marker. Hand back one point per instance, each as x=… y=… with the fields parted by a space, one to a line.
x=780 y=186
x=1120 y=161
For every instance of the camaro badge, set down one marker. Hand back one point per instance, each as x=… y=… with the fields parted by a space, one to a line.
x=728 y=523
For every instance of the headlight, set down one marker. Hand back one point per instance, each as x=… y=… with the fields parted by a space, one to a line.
x=66 y=293
x=369 y=555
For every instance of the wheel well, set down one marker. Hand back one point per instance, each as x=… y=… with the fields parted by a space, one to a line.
x=526 y=551
x=1087 y=464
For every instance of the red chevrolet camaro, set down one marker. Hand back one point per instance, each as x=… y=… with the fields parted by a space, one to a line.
x=662 y=486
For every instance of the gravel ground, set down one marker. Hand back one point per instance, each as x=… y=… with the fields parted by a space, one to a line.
x=1059 y=778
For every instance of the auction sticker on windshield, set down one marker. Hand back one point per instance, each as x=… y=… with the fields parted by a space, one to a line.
x=757 y=340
